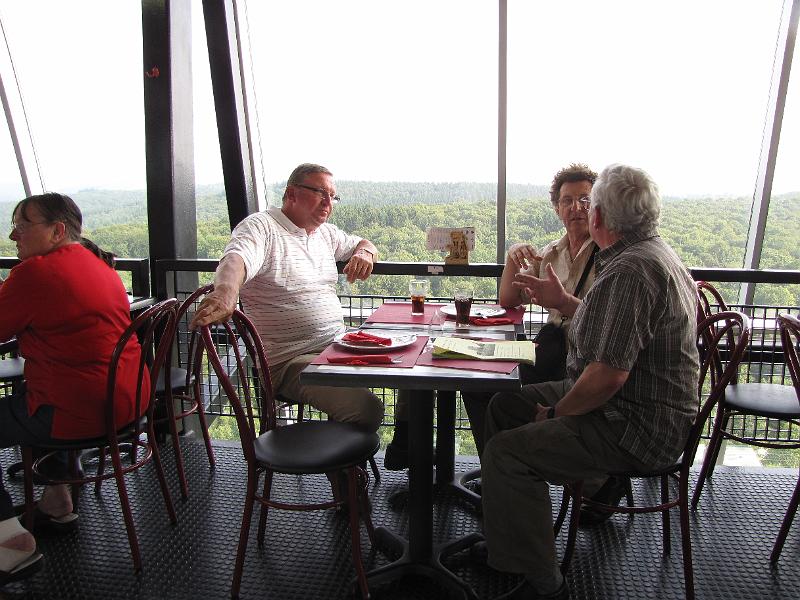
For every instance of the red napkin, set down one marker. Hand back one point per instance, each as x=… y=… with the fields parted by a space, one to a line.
x=490 y=321
x=366 y=338
x=362 y=359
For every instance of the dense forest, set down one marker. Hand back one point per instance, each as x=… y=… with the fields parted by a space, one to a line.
x=705 y=232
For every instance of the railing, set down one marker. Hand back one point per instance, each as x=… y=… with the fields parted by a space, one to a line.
x=764 y=361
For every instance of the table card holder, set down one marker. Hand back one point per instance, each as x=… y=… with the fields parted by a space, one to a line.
x=457 y=241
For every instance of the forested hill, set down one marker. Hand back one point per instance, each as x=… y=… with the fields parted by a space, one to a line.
x=705 y=232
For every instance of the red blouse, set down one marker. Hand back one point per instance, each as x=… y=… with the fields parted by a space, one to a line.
x=68 y=310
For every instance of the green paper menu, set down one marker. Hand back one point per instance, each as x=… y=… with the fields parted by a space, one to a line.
x=453 y=347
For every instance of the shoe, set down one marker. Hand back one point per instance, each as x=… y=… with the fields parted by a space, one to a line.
x=525 y=591
x=396 y=457
x=43 y=523
x=479 y=553
x=25 y=569
x=612 y=491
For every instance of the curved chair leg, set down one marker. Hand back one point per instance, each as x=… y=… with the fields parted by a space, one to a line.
x=169 y=403
x=562 y=510
x=262 y=519
x=101 y=468
x=244 y=531
x=201 y=416
x=574 y=521
x=122 y=490
x=30 y=504
x=353 y=494
x=665 y=525
x=786 y=525
x=686 y=538
x=376 y=472
x=705 y=470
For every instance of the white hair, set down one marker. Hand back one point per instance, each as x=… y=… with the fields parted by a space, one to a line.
x=628 y=198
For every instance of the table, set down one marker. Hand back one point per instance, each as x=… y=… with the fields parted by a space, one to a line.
x=418 y=553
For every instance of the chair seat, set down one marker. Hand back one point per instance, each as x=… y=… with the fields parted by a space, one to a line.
x=124 y=434
x=766 y=399
x=12 y=368
x=177 y=378
x=672 y=468
x=315 y=447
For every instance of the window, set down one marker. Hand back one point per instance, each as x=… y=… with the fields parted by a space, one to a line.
x=679 y=89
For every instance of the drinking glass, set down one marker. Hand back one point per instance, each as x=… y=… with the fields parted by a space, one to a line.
x=418 y=290
x=463 y=301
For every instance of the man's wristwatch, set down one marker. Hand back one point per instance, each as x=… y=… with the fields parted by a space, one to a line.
x=371 y=255
x=551 y=412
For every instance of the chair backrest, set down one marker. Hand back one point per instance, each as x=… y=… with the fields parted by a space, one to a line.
x=707 y=297
x=713 y=332
x=790 y=342
x=243 y=374
x=154 y=327
x=194 y=344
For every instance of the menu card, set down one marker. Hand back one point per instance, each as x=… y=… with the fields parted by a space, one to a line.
x=451 y=347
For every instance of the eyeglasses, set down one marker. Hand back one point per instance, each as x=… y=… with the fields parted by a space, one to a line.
x=22 y=227
x=326 y=195
x=583 y=202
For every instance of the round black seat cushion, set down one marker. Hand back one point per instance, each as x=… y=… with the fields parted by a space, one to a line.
x=315 y=447
x=11 y=368
x=765 y=399
x=177 y=379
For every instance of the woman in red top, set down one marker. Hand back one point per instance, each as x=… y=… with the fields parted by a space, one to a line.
x=68 y=308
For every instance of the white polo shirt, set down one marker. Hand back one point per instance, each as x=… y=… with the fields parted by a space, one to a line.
x=290 y=281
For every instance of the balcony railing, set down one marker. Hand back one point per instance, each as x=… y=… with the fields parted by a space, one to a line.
x=764 y=361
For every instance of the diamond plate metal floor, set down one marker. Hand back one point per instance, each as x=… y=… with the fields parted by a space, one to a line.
x=306 y=555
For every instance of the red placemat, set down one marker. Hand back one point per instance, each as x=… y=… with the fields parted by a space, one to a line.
x=515 y=314
x=400 y=312
x=492 y=366
x=409 y=354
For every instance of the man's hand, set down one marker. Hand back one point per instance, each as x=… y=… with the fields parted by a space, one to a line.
x=541 y=413
x=547 y=291
x=523 y=255
x=359 y=266
x=216 y=307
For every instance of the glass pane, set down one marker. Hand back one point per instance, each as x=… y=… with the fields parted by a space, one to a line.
x=678 y=88
x=11 y=189
x=782 y=236
x=79 y=66
x=398 y=100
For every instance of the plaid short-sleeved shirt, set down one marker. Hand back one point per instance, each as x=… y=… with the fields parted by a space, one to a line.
x=639 y=316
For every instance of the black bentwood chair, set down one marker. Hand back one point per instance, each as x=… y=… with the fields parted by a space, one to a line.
x=308 y=447
x=768 y=401
x=714 y=377
x=156 y=320
x=183 y=391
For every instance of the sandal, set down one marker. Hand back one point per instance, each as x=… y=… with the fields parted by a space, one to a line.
x=61 y=525
x=23 y=570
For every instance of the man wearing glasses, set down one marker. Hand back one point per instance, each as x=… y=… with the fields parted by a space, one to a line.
x=281 y=263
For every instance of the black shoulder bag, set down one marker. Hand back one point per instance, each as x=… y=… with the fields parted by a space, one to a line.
x=551 y=349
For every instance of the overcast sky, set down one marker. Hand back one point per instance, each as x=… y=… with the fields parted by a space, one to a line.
x=408 y=91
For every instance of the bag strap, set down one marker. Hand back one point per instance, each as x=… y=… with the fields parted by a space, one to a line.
x=585 y=273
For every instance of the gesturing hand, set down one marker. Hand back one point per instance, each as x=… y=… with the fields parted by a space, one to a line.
x=523 y=255
x=547 y=291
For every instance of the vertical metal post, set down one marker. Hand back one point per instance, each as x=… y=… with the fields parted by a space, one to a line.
x=231 y=108
x=781 y=70
x=502 y=124
x=169 y=141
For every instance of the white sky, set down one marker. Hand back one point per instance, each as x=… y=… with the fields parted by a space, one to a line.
x=407 y=91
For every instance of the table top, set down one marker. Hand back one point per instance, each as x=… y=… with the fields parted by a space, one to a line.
x=419 y=377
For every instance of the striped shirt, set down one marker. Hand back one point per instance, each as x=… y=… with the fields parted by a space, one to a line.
x=290 y=281
x=640 y=316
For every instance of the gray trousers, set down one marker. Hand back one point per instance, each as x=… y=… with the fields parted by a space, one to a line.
x=348 y=405
x=519 y=460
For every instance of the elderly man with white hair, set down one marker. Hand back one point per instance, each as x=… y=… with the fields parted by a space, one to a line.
x=630 y=396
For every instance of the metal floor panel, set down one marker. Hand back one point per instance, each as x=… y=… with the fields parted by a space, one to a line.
x=306 y=555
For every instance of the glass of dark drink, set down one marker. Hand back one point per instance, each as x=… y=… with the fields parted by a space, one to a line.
x=463 y=302
x=418 y=290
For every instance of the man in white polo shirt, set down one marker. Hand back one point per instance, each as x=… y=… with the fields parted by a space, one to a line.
x=282 y=263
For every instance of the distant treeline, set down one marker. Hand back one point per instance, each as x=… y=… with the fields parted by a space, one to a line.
x=705 y=232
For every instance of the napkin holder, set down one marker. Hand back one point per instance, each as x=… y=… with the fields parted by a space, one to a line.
x=457 y=242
